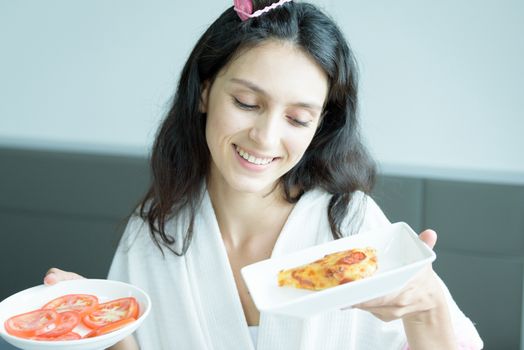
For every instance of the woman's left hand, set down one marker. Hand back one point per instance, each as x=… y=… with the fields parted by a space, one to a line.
x=421 y=305
x=422 y=293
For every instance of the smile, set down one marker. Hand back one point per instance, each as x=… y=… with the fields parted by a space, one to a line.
x=252 y=159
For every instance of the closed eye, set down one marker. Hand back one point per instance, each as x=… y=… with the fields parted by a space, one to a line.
x=298 y=122
x=248 y=107
x=244 y=106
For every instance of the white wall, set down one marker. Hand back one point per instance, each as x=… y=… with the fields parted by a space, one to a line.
x=93 y=75
x=441 y=82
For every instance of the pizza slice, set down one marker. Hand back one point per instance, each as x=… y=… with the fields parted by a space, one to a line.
x=332 y=270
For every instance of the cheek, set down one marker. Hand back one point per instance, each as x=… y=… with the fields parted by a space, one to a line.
x=298 y=144
x=212 y=132
x=222 y=124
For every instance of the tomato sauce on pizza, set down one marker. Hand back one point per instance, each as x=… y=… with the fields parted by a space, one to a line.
x=332 y=270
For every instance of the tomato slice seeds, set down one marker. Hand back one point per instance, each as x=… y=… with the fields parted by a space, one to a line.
x=81 y=303
x=59 y=317
x=111 y=311
x=66 y=322
x=32 y=323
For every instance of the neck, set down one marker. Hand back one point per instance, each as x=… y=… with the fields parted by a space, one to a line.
x=243 y=217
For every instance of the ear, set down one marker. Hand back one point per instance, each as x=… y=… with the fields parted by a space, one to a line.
x=204 y=95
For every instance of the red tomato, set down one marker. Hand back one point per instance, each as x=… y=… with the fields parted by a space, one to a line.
x=109 y=327
x=82 y=303
x=32 y=323
x=111 y=311
x=67 y=336
x=66 y=322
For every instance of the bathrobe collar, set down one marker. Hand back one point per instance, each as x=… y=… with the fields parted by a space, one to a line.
x=221 y=315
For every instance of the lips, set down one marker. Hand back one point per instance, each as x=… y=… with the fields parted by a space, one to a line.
x=257 y=160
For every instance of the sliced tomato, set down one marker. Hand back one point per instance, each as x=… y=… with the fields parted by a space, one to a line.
x=67 y=336
x=111 y=311
x=32 y=323
x=81 y=303
x=67 y=320
x=110 y=327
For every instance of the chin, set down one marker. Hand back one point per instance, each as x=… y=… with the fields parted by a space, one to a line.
x=252 y=187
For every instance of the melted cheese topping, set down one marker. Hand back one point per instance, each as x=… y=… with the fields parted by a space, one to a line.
x=332 y=270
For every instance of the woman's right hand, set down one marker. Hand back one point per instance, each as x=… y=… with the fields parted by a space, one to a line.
x=54 y=275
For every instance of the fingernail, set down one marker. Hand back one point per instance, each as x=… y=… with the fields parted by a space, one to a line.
x=50 y=279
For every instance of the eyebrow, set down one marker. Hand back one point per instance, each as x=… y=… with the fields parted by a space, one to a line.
x=258 y=89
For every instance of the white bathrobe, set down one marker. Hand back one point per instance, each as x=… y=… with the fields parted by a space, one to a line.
x=196 y=306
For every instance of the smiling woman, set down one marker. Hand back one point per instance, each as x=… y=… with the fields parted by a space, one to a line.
x=260 y=156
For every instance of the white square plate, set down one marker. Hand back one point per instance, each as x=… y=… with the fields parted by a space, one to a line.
x=400 y=253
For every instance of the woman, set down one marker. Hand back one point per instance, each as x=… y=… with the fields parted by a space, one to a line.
x=260 y=156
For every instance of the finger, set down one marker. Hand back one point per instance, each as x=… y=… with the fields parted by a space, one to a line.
x=399 y=298
x=52 y=276
x=429 y=237
x=386 y=299
x=391 y=312
x=55 y=275
x=50 y=279
x=53 y=270
x=377 y=302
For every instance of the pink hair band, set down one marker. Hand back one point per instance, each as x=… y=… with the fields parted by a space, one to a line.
x=244 y=8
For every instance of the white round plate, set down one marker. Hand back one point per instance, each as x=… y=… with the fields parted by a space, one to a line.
x=36 y=297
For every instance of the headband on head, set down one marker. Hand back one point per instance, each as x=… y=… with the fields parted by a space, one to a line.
x=244 y=8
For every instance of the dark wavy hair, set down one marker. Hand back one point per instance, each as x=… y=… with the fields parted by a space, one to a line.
x=335 y=161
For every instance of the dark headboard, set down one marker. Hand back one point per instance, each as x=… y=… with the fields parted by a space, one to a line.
x=69 y=209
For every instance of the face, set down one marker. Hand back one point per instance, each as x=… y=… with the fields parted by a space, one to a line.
x=262 y=110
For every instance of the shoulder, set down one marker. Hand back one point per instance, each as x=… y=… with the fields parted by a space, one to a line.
x=315 y=198
x=363 y=214
x=137 y=232
x=373 y=215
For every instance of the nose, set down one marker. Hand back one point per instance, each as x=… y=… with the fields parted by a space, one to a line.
x=266 y=129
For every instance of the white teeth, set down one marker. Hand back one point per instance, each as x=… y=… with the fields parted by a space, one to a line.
x=252 y=159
